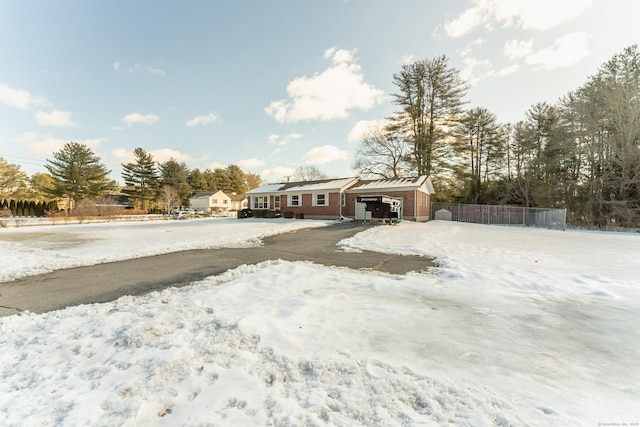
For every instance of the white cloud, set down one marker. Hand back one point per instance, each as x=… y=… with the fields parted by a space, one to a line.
x=165 y=154
x=19 y=98
x=475 y=70
x=140 y=68
x=216 y=165
x=125 y=156
x=514 y=49
x=250 y=164
x=144 y=68
x=204 y=120
x=161 y=155
x=277 y=172
x=134 y=118
x=567 y=50
x=505 y=71
x=55 y=118
x=46 y=144
x=328 y=95
x=325 y=154
x=363 y=127
x=466 y=22
x=286 y=139
x=466 y=51
x=525 y=14
x=407 y=59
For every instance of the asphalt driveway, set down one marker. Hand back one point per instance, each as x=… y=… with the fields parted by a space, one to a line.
x=109 y=281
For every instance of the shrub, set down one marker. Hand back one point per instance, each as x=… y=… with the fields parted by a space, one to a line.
x=245 y=213
x=288 y=214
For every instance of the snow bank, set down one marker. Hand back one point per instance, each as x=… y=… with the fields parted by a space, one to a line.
x=491 y=337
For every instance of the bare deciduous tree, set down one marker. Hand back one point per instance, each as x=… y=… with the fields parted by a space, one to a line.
x=382 y=154
x=169 y=197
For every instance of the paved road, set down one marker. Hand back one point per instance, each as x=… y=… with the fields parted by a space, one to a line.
x=107 y=282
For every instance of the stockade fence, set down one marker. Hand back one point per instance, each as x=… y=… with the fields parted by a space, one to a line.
x=555 y=219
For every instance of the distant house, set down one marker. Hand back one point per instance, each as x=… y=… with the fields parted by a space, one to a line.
x=239 y=202
x=344 y=197
x=210 y=201
x=217 y=201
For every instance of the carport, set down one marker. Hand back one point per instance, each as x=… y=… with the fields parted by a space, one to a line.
x=378 y=207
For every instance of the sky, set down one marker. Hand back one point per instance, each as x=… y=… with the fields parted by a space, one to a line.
x=515 y=326
x=273 y=86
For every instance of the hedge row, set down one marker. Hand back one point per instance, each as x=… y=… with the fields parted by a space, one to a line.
x=27 y=207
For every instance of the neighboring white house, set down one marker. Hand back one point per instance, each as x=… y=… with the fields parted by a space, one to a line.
x=210 y=201
x=218 y=201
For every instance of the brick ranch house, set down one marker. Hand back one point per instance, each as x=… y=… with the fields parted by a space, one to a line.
x=335 y=198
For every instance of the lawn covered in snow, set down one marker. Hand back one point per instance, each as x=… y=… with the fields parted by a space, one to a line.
x=515 y=326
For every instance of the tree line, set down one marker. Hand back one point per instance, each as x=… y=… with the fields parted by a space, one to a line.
x=76 y=174
x=581 y=153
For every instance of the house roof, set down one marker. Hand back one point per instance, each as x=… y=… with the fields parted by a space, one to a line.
x=305 y=186
x=203 y=195
x=207 y=194
x=350 y=185
x=237 y=197
x=394 y=184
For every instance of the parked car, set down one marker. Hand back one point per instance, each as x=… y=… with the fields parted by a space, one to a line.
x=182 y=215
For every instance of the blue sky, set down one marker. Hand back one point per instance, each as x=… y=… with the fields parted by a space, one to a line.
x=273 y=85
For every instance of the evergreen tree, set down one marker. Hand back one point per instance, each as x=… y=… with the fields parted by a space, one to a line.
x=479 y=144
x=176 y=175
x=13 y=182
x=217 y=180
x=430 y=94
x=40 y=186
x=237 y=180
x=197 y=181
x=253 y=180
x=77 y=173
x=141 y=180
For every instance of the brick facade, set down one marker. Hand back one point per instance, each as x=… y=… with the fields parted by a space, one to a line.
x=319 y=200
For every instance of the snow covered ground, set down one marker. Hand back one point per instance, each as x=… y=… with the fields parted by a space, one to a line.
x=514 y=327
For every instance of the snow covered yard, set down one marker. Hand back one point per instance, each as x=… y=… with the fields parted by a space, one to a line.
x=515 y=327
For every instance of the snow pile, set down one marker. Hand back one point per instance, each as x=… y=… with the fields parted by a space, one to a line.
x=490 y=338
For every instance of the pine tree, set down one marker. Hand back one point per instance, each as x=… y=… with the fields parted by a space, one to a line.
x=141 y=179
x=176 y=175
x=77 y=173
x=237 y=180
x=430 y=99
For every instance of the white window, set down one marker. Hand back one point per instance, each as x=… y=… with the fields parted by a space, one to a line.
x=343 y=199
x=225 y=202
x=294 y=200
x=214 y=201
x=321 y=199
x=276 y=202
x=261 y=202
